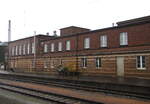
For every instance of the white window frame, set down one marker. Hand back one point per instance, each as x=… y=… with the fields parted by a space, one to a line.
x=52 y=47
x=60 y=46
x=24 y=49
x=16 y=50
x=33 y=48
x=142 y=66
x=84 y=62
x=103 y=41
x=87 y=43
x=45 y=48
x=123 y=38
x=28 y=48
x=20 y=49
x=98 y=62
x=68 y=45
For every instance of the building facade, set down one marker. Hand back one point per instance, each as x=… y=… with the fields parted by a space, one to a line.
x=122 y=50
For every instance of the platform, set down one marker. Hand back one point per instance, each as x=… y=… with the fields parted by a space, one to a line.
x=101 y=79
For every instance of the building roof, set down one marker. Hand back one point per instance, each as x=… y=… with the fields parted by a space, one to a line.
x=134 y=21
x=3 y=44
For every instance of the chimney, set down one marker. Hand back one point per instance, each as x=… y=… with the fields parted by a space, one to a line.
x=54 y=33
x=113 y=24
x=9 y=30
x=47 y=33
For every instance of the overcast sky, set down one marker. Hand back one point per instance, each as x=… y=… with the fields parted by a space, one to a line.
x=45 y=16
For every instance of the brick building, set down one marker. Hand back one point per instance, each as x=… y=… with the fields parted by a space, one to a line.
x=122 y=50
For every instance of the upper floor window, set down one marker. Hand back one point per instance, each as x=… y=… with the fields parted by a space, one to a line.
x=84 y=62
x=60 y=46
x=103 y=41
x=141 y=62
x=33 y=47
x=13 y=51
x=123 y=38
x=68 y=45
x=16 y=50
x=52 y=47
x=28 y=48
x=45 y=48
x=87 y=43
x=24 y=49
x=98 y=62
x=20 y=49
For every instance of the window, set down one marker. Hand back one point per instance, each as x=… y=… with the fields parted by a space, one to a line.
x=33 y=63
x=60 y=61
x=13 y=51
x=16 y=50
x=84 y=62
x=28 y=48
x=20 y=49
x=45 y=64
x=103 y=41
x=140 y=62
x=87 y=43
x=52 y=47
x=68 y=45
x=33 y=48
x=45 y=48
x=60 y=46
x=24 y=49
x=123 y=38
x=52 y=63
x=98 y=62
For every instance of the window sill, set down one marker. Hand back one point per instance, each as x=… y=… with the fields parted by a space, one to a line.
x=98 y=68
x=141 y=68
x=123 y=45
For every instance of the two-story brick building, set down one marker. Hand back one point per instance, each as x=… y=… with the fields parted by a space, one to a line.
x=122 y=50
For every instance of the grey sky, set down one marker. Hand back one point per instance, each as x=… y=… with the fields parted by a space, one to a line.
x=49 y=15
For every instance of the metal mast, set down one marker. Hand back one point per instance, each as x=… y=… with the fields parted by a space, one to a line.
x=9 y=30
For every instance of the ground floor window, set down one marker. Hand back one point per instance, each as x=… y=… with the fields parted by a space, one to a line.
x=140 y=62
x=84 y=62
x=98 y=62
x=45 y=64
x=33 y=63
x=52 y=64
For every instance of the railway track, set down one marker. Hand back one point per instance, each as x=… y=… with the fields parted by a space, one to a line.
x=51 y=97
x=85 y=86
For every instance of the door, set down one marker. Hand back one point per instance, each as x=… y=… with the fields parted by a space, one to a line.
x=120 y=66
